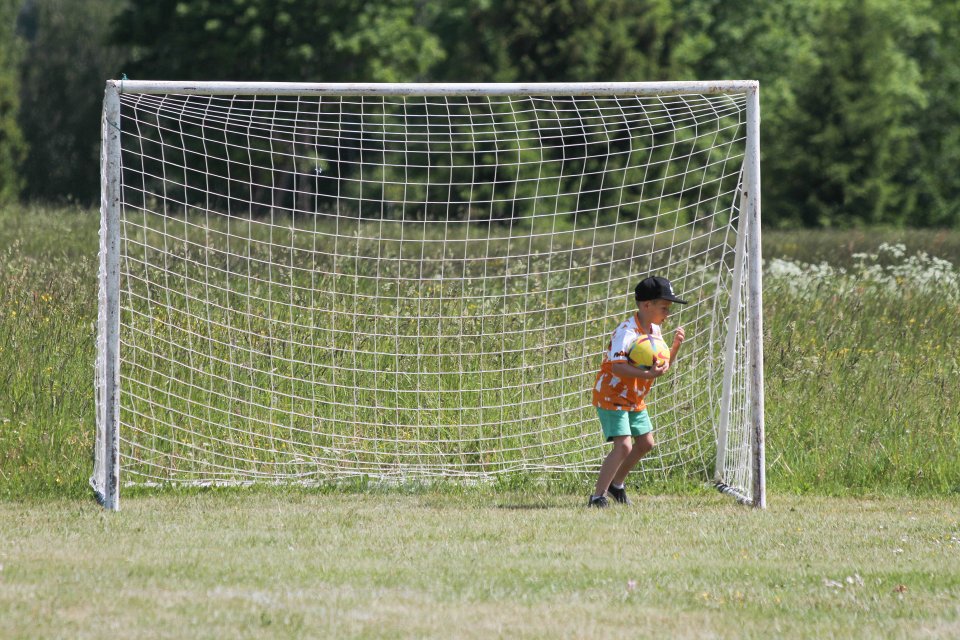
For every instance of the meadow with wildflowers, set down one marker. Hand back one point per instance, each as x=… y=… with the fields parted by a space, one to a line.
x=861 y=537
x=862 y=370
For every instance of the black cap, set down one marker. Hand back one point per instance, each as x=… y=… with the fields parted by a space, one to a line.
x=656 y=288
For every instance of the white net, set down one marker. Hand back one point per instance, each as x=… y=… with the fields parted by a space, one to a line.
x=316 y=287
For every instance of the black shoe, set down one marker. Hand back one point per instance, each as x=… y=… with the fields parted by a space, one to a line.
x=600 y=502
x=620 y=495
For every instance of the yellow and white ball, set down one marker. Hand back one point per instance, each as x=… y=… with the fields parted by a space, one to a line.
x=648 y=351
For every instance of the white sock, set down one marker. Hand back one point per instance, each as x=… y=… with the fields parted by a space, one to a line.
x=618 y=486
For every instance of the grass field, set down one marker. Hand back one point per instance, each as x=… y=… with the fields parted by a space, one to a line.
x=478 y=565
x=862 y=376
x=861 y=537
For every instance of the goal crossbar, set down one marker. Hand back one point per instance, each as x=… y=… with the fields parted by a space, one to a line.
x=435 y=89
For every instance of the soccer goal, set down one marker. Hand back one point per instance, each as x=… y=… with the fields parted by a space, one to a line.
x=305 y=283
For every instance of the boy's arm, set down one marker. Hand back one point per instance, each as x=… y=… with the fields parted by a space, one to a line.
x=626 y=370
x=623 y=369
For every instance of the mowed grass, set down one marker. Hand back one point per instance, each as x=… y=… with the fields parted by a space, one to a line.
x=862 y=386
x=477 y=564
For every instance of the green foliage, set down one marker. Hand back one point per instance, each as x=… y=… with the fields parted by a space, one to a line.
x=843 y=104
x=857 y=102
x=570 y=40
x=934 y=152
x=333 y=40
x=65 y=64
x=12 y=144
x=858 y=96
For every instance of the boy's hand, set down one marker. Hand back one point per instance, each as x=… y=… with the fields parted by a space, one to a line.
x=660 y=368
x=678 y=337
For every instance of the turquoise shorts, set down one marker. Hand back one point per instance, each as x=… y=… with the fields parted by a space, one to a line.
x=624 y=423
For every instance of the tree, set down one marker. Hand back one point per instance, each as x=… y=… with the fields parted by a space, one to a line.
x=935 y=150
x=857 y=115
x=562 y=40
x=858 y=96
x=286 y=40
x=62 y=76
x=12 y=144
x=842 y=99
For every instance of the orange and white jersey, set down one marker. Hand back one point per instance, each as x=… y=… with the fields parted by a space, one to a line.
x=612 y=392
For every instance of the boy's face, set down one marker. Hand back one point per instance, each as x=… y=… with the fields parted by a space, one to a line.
x=656 y=311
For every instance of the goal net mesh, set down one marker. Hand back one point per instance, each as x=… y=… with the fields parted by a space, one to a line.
x=404 y=287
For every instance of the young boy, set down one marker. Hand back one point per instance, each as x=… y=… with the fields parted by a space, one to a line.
x=620 y=389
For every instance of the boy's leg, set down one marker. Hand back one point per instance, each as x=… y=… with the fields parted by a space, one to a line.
x=641 y=447
x=621 y=451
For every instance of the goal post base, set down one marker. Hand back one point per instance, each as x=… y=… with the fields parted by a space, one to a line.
x=734 y=493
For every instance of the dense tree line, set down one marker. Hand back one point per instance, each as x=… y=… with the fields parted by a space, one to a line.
x=12 y=145
x=860 y=115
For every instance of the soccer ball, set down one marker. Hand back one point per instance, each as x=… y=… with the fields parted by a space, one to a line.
x=647 y=351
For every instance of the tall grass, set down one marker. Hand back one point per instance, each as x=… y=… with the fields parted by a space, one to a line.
x=315 y=347
x=48 y=307
x=862 y=373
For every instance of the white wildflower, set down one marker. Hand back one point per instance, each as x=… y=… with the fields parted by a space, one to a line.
x=890 y=270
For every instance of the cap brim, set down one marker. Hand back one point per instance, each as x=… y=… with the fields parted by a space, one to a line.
x=675 y=299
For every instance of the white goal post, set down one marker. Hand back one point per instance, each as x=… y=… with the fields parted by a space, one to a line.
x=304 y=283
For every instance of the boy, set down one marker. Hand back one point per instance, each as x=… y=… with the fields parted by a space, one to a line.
x=620 y=389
